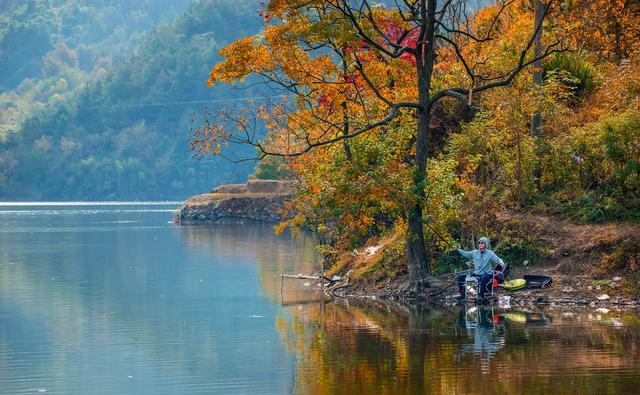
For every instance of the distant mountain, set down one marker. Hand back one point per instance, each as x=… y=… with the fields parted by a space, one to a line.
x=50 y=49
x=123 y=134
x=94 y=29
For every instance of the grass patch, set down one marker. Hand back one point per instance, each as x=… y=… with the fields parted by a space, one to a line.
x=602 y=283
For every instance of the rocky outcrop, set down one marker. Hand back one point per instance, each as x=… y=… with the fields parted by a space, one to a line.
x=258 y=200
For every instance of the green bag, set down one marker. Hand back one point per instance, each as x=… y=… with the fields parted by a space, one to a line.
x=514 y=285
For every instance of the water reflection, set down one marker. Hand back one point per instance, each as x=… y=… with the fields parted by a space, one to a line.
x=370 y=347
x=140 y=306
x=108 y=302
x=258 y=245
x=484 y=324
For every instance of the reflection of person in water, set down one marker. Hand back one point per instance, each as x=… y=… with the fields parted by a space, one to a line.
x=486 y=341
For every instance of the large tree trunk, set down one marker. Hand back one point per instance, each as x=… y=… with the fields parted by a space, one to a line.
x=417 y=259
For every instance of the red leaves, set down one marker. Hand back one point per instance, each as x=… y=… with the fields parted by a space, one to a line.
x=394 y=33
x=324 y=101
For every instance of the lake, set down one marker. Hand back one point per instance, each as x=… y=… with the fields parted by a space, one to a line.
x=113 y=298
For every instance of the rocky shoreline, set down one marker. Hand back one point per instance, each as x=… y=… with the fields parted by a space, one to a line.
x=255 y=201
x=592 y=265
x=565 y=291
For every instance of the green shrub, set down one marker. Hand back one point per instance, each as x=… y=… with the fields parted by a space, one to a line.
x=595 y=171
x=496 y=155
x=594 y=207
x=582 y=76
x=620 y=137
x=272 y=168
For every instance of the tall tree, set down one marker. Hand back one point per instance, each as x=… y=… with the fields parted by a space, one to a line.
x=350 y=67
x=536 y=118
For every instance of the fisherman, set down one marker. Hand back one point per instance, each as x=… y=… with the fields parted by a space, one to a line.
x=482 y=259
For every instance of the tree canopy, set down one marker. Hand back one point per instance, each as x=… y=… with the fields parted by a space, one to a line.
x=357 y=72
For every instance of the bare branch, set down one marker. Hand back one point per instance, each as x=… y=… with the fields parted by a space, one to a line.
x=393 y=112
x=459 y=55
x=448 y=92
x=372 y=86
x=398 y=49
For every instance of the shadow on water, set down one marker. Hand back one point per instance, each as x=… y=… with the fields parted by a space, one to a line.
x=364 y=347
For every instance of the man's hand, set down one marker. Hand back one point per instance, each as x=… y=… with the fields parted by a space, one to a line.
x=454 y=249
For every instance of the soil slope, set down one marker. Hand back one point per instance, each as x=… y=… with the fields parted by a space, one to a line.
x=591 y=264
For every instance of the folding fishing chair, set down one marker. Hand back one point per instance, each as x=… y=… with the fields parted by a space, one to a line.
x=498 y=276
x=472 y=286
x=501 y=271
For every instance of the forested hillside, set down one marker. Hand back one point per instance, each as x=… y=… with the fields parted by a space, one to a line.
x=88 y=112
x=50 y=49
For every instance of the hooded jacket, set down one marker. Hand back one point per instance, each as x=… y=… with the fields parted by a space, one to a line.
x=481 y=260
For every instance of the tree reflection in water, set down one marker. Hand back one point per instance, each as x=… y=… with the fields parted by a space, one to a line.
x=356 y=347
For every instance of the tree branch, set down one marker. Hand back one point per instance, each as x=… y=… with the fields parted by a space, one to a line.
x=311 y=145
x=506 y=78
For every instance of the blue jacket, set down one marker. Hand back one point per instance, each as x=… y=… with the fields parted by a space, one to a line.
x=481 y=260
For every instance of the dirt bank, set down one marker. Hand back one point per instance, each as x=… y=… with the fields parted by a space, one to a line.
x=591 y=264
x=582 y=249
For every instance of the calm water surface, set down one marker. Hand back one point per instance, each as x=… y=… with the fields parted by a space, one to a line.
x=114 y=299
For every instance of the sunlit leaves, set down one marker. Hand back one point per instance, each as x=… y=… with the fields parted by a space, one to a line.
x=342 y=71
x=244 y=57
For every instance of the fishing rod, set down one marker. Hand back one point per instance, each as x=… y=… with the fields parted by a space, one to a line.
x=451 y=274
x=433 y=230
x=438 y=234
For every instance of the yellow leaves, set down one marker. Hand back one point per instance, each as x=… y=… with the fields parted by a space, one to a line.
x=242 y=124
x=278 y=229
x=507 y=36
x=243 y=57
x=287 y=9
x=365 y=222
x=209 y=140
x=610 y=28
